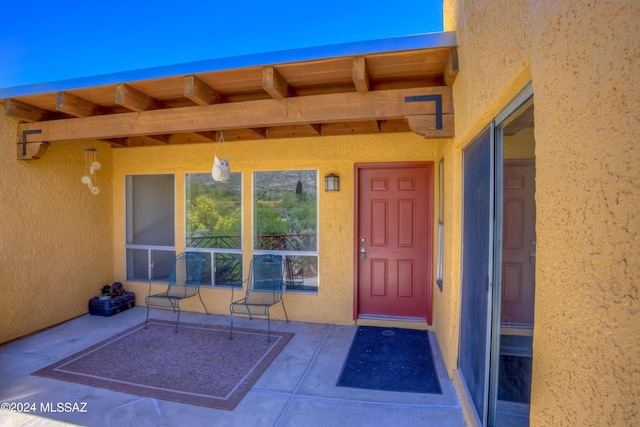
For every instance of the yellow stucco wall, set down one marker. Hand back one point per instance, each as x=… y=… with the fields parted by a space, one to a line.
x=582 y=58
x=55 y=237
x=334 y=301
x=447 y=302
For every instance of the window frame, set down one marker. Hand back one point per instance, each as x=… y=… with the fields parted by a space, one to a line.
x=440 y=254
x=209 y=254
x=151 y=249
x=289 y=253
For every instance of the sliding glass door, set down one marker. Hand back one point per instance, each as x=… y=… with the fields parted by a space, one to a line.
x=498 y=266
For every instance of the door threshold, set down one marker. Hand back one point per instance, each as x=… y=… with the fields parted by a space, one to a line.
x=397 y=318
x=525 y=330
x=392 y=321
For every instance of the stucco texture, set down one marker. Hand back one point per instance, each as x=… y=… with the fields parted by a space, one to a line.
x=582 y=59
x=335 y=298
x=55 y=236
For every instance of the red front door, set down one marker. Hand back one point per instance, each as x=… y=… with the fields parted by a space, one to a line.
x=519 y=242
x=394 y=240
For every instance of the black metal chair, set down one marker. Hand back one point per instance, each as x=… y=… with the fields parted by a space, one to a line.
x=264 y=289
x=184 y=283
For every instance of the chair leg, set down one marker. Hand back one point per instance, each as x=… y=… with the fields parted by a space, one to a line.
x=205 y=307
x=147 y=321
x=178 y=319
x=231 y=327
x=285 y=310
x=268 y=326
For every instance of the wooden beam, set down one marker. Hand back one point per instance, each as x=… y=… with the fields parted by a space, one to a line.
x=326 y=108
x=360 y=74
x=75 y=106
x=32 y=150
x=274 y=84
x=452 y=67
x=26 y=112
x=425 y=125
x=135 y=100
x=199 y=92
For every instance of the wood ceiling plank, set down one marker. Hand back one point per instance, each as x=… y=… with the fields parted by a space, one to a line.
x=77 y=107
x=233 y=81
x=135 y=100
x=245 y=134
x=325 y=72
x=330 y=108
x=294 y=131
x=101 y=95
x=199 y=92
x=144 y=140
x=193 y=138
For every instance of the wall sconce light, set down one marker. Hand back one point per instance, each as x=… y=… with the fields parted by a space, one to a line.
x=331 y=183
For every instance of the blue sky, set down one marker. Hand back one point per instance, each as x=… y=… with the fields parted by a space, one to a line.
x=47 y=41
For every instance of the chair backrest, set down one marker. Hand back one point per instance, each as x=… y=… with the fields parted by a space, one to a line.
x=267 y=274
x=186 y=275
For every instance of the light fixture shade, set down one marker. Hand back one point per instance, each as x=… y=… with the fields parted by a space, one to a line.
x=331 y=183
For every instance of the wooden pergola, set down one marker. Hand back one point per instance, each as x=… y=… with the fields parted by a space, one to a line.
x=354 y=89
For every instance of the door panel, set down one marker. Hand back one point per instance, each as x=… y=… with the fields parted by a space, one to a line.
x=395 y=221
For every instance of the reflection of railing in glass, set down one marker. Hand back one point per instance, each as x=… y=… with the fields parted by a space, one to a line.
x=300 y=272
x=228 y=267
x=287 y=242
x=228 y=271
x=218 y=242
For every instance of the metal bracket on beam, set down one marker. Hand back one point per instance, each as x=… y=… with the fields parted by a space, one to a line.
x=24 y=139
x=436 y=98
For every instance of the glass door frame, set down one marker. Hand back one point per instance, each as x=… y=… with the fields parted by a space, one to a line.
x=494 y=369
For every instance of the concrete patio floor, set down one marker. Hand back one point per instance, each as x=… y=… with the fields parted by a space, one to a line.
x=298 y=389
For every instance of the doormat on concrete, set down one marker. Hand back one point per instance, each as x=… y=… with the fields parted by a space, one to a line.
x=198 y=365
x=390 y=359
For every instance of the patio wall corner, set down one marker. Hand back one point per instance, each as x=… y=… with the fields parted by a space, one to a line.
x=56 y=236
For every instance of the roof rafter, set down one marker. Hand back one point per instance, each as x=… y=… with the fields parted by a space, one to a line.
x=199 y=92
x=74 y=106
x=452 y=68
x=29 y=113
x=360 y=74
x=135 y=100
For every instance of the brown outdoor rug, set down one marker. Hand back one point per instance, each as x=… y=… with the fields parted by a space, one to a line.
x=198 y=365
